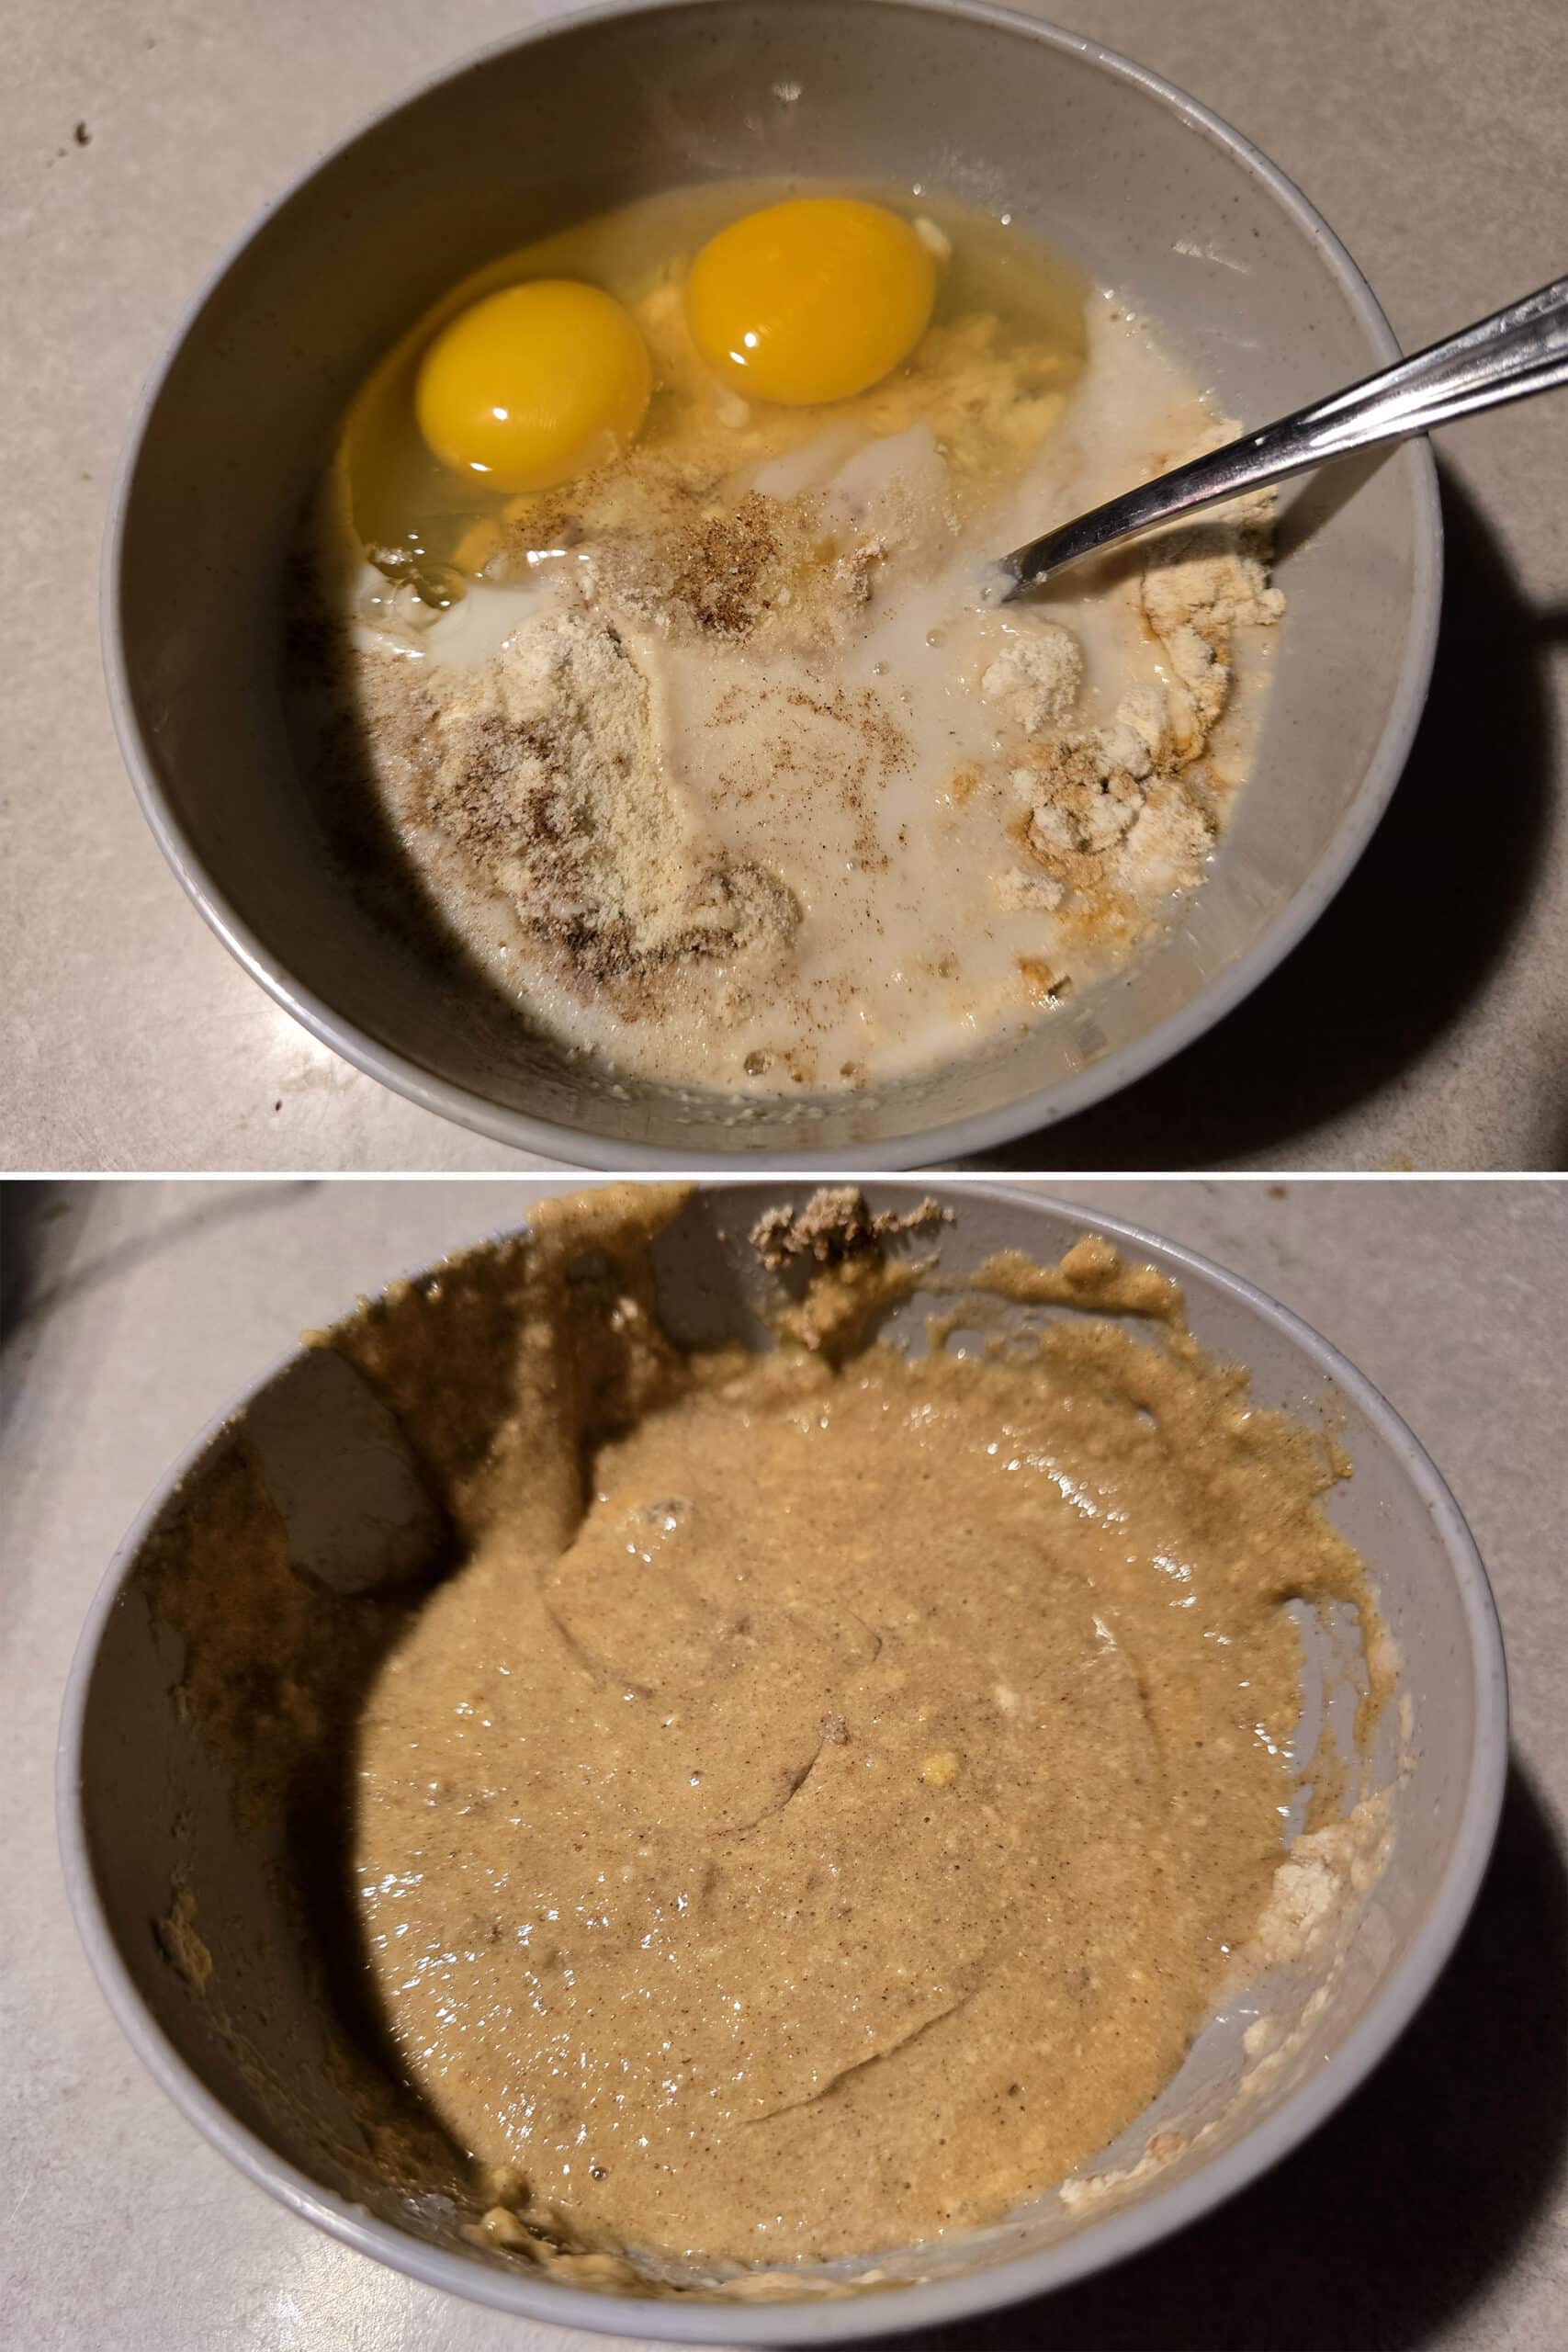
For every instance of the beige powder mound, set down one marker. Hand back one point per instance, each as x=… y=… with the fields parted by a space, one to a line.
x=1209 y=581
x=1124 y=812
x=672 y=550
x=1036 y=679
x=542 y=769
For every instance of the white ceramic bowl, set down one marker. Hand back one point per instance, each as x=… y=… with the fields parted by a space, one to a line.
x=1148 y=190
x=252 y=2051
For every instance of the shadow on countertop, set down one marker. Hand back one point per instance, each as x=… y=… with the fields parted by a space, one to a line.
x=41 y=1222
x=28 y=1206
x=31 y=1206
x=1406 y=2202
x=1411 y=938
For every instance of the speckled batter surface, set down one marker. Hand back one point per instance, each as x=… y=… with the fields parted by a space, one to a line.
x=822 y=1819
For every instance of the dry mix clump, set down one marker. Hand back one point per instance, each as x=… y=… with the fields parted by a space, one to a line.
x=1117 y=814
x=837 y=1223
x=542 y=771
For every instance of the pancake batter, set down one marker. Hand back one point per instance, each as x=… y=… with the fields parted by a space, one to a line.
x=818 y=1813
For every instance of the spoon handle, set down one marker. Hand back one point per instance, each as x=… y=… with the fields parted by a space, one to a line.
x=1522 y=350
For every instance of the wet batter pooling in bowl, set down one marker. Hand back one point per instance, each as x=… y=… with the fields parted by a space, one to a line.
x=657 y=571
x=821 y=1810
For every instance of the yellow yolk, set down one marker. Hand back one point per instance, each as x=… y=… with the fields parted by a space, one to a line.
x=811 y=300
x=535 y=385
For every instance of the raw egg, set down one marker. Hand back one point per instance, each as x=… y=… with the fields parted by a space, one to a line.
x=813 y=300
x=535 y=385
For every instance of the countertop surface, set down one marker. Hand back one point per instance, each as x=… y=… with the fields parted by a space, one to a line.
x=1425 y=1022
x=1431 y=2213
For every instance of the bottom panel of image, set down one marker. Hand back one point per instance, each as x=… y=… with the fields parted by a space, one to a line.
x=751 y=1764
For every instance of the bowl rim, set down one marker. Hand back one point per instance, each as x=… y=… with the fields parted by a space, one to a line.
x=1096 y=2245
x=578 y=1146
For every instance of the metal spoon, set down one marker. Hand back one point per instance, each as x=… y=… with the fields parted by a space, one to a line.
x=1522 y=350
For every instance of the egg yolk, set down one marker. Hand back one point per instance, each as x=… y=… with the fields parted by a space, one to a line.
x=810 y=300
x=535 y=385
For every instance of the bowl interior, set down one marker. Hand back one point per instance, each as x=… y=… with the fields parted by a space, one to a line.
x=1147 y=197
x=220 y=1898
